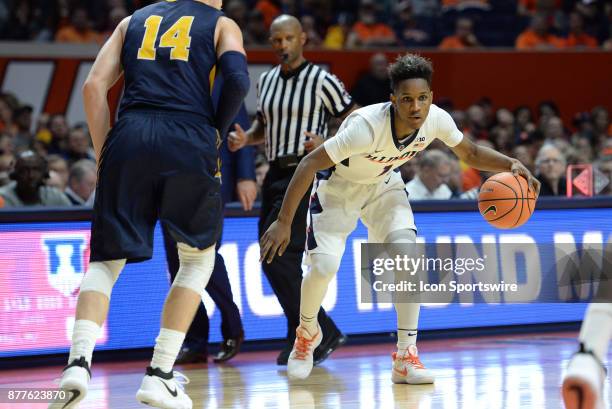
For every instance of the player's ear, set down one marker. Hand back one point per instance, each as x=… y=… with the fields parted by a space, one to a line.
x=392 y=97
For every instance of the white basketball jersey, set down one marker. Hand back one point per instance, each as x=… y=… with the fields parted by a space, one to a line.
x=366 y=148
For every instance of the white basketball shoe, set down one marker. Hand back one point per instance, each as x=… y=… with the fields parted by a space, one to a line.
x=300 y=360
x=583 y=381
x=74 y=381
x=161 y=390
x=407 y=367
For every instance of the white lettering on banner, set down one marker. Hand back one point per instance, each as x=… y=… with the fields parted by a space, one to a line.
x=511 y=246
x=229 y=251
x=17 y=304
x=49 y=303
x=570 y=263
x=261 y=305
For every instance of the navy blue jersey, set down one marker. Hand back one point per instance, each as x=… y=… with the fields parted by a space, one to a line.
x=167 y=57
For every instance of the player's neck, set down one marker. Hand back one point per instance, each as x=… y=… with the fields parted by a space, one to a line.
x=402 y=129
x=292 y=66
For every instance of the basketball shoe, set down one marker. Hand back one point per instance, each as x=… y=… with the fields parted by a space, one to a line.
x=161 y=390
x=74 y=381
x=300 y=360
x=407 y=367
x=583 y=381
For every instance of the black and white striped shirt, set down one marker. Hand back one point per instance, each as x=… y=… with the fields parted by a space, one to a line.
x=303 y=100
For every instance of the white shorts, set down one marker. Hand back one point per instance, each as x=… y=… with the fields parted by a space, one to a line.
x=336 y=204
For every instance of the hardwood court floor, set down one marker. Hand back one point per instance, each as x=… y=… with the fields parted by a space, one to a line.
x=471 y=373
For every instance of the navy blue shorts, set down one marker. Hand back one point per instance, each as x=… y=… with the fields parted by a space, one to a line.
x=162 y=166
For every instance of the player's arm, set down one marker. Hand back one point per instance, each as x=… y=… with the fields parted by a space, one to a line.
x=232 y=63
x=276 y=238
x=487 y=159
x=105 y=71
x=355 y=139
x=240 y=138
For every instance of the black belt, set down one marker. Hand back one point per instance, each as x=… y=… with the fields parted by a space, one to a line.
x=287 y=161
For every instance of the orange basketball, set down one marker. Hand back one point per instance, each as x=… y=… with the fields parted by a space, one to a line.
x=505 y=201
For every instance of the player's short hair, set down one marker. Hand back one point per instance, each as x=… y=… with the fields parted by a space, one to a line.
x=410 y=66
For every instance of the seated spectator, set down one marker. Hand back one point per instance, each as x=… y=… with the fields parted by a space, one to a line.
x=538 y=36
x=584 y=149
x=23 y=123
x=270 y=9
x=82 y=183
x=408 y=31
x=79 y=30
x=6 y=144
x=79 y=146
x=602 y=128
x=523 y=154
x=236 y=10
x=28 y=187
x=313 y=39
x=59 y=131
x=577 y=37
x=530 y=7
x=432 y=177
x=550 y=170
x=373 y=86
x=256 y=33
x=554 y=129
x=523 y=123
x=546 y=110
x=336 y=35
x=368 y=31
x=463 y=38
x=6 y=167
x=58 y=172
x=477 y=122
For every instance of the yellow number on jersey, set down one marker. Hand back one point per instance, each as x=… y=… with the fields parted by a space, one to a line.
x=176 y=37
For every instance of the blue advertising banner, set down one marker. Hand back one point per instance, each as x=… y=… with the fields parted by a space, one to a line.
x=41 y=266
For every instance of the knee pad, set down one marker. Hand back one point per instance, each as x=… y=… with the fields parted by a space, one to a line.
x=324 y=266
x=101 y=276
x=195 y=267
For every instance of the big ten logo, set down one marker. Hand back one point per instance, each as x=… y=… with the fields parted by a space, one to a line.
x=65 y=260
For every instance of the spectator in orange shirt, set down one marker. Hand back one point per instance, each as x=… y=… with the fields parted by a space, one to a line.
x=368 y=31
x=464 y=36
x=78 y=31
x=577 y=37
x=537 y=36
x=270 y=10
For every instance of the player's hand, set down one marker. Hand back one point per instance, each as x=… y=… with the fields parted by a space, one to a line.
x=275 y=239
x=247 y=193
x=313 y=141
x=237 y=139
x=519 y=169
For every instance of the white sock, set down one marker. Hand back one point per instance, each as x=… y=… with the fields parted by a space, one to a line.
x=596 y=329
x=84 y=336
x=323 y=268
x=407 y=323
x=167 y=346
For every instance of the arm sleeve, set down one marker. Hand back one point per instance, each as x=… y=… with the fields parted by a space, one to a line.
x=335 y=98
x=447 y=130
x=233 y=67
x=355 y=138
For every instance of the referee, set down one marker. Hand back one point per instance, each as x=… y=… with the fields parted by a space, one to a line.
x=295 y=100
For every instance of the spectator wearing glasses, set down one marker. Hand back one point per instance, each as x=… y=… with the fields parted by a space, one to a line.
x=432 y=177
x=550 y=167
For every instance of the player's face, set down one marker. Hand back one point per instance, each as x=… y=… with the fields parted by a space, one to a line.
x=412 y=99
x=287 y=41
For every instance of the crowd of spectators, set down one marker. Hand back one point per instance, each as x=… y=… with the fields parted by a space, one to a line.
x=341 y=24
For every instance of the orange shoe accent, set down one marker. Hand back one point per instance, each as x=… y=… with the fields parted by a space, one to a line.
x=302 y=345
x=411 y=359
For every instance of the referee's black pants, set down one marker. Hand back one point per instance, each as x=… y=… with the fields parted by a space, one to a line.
x=220 y=291
x=285 y=272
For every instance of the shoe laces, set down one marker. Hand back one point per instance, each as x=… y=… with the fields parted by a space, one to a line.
x=302 y=346
x=411 y=359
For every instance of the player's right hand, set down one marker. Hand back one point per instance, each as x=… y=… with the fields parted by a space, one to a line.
x=275 y=239
x=237 y=139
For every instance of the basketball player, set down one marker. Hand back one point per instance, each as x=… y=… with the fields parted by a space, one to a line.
x=159 y=161
x=583 y=382
x=360 y=182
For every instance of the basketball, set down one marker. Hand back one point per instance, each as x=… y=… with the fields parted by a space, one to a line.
x=505 y=201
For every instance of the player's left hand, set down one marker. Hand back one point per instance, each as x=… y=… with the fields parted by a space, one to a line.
x=519 y=169
x=275 y=239
x=246 y=190
x=313 y=141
